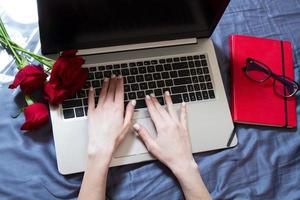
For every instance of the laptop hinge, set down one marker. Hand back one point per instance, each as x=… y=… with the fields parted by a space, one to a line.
x=138 y=46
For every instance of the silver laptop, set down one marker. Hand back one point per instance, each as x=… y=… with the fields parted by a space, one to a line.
x=157 y=45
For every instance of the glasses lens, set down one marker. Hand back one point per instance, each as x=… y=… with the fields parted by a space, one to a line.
x=285 y=87
x=257 y=72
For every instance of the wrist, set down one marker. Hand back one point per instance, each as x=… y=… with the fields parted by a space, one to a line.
x=102 y=155
x=184 y=168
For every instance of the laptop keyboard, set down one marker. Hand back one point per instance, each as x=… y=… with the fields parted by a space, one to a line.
x=187 y=79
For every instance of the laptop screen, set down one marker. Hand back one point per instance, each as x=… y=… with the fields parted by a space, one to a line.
x=82 y=24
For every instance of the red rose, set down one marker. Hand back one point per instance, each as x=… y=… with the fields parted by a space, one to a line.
x=29 y=78
x=67 y=78
x=36 y=115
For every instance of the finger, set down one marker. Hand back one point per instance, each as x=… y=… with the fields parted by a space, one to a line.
x=112 y=89
x=170 y=105
x=155 y=116
x=129 y=112
x=158 y=107
x=119 y=97
x=145 y=136
x=103 y=92
x=183 y=112
x=91 y=99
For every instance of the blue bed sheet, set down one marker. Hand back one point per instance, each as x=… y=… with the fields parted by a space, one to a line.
x=265 y=164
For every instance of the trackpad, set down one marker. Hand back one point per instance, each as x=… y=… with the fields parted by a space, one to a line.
x=132 y=145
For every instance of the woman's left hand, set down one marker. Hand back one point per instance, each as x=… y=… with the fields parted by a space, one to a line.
x=107 y=125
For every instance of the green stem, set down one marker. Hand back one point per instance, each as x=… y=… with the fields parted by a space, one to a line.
x=28 y=100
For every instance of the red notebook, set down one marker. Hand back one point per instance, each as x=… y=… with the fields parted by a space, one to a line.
x=257 y=103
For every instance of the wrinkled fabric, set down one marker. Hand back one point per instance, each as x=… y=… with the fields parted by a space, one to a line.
x=265 y=165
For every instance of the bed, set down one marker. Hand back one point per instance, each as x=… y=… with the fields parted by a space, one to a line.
x=264 y=165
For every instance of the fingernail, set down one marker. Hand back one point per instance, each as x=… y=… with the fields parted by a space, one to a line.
x=133 y=102
x=167 y=93
x=106 y=79
x=152 y=95
x=113 y=76
x=120 y=77
x=147 y=97
x=136 y=127
x=183 y=104
x=91 y=88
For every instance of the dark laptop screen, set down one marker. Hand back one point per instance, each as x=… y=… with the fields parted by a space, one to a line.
x=81 y=24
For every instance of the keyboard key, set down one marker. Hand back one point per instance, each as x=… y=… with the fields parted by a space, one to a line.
x=169 y=82
x=151 y=85
x=96 y=100
x=81 y=94
x=202 y=56
x=141 y=94
x=134 y=87
x=143 y=86
x=72 y=103
x=133 y=71
x=93 y=69
x=132 y=95
x=169 y=60
x=205 y=70
x=147 y=62
x=197 y=63
x=139 y=63
x=107 y=74
x=126 y=97
x=196 y=57
x=124 y=65
x=158 y=92
x=199 y=96
x=191 y=64
x=126 y=88
x=201 y=79
x=207 y=78
x=181 y=65
x=157 y=76
x=68 y=113
x=165 y=75
x=183 y=73
x=161 y=100
x=204 y=63
x=116 y=72
x=125 y=72
x=211 y=94
x=193 y=72
x=182 y=81
x=176 y=59
x=176 y=98
x=183 y=59
x=148 y=92
x=178 y=89
x=205 y=94
x=109 y=67
x=190 y=88
x=166 y=89
x=168 y=67
x=131 y=79
x=79 y=112
x=197 y=87
x=160 y=84
x=87 y=85
x=140 y=104
x=86 y=110
x=199 y=71
x=209 y=86
x=142 y=70
x=139 y=78
x=192 y=96
x=117 y=66
x=159 y=68
x=148 y=77
x=190 y=57
x=132 y=64
x=185 y=97
x=96 y=84
x=150 y=69
x=195 y=79
x=101 y=68
x=90 y=76
x=203 y=86
x=174 y=74
x=154 y=62
x=162 y=61
x=98 y=75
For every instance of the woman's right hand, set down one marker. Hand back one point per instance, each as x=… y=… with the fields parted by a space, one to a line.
x=172 y=144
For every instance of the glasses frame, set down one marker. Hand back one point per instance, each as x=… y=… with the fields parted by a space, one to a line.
x=270 y=74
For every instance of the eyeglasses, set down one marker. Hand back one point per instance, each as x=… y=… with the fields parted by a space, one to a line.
x=259 y=72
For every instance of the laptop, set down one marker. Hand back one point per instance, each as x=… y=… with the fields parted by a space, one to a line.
x=157 y=46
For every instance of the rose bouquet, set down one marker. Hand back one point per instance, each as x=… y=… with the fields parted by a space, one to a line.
x=66 y=78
